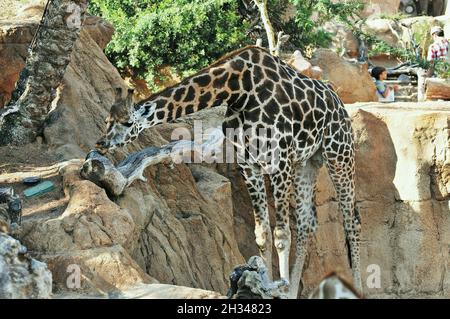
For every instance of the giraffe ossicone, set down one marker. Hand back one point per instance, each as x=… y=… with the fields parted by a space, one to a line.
x=311 y=125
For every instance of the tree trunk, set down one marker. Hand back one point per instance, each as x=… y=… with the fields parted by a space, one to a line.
x=262 y=6
x=22 y=120
x=421 y=84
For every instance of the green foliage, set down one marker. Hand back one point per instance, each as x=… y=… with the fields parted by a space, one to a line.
x=306 y=27
x=442 y=69
x=395 y=17
x=421 y=35
x=186 y=35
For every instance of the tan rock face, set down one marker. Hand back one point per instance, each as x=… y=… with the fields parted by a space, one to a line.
x=189 y=225
x=299 y=63
x=437 y=89
x=352 y=81
x=343 y=42
x=178 y=228
x=378 y=7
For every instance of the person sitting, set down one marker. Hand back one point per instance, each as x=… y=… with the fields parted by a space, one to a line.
x=440 y=48
x=385 y=92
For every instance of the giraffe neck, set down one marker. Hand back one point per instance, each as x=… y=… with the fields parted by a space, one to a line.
x=228 y=82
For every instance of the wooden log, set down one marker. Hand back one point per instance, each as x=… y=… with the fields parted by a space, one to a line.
x=101 y=171
x=42 y=172
x=408 y=71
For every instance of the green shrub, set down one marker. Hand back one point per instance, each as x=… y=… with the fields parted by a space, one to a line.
x=183 y=34
x=442 y=69
x=306 y=27
x=187 y=35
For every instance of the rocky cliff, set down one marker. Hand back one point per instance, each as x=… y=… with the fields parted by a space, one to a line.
x=190 y=224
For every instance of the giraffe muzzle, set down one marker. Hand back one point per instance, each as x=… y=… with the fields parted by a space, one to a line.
x=102 y=147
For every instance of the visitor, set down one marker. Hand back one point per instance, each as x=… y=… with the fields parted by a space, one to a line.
x=385 y=92
x=439 y=50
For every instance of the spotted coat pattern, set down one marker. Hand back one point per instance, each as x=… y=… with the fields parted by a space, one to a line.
x=309 y=126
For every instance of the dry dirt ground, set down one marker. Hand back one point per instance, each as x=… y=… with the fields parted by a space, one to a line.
x=10 y=7
x=32 y=160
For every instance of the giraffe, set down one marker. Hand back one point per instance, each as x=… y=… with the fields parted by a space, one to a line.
x=334 y=287
x=310 y=125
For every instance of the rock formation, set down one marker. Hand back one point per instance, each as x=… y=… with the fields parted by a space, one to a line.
x=351 y=81
x=437 y=89
x=189 y=225
x=20 y=275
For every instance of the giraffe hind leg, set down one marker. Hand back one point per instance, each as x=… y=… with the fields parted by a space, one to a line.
x=342 y=172
x=306 y=218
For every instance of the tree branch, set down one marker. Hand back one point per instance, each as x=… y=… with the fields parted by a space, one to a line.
x=262 y=6
x=101 y=171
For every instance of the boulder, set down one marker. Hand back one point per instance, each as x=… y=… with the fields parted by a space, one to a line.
x=343 y=42
x=375 y=8
x=101 y=271
x=352 y=81
x=303 y=66
x=437 y=89
x=21 y=277
x=384 y=29
x=190 y=225
x=168 y=230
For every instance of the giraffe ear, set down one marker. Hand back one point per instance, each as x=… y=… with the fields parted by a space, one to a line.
x=118 y=93
x=129 y=99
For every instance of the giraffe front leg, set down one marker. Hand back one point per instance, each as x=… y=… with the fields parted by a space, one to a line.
x=306 y=219
x=281 y=182
x=254 y=181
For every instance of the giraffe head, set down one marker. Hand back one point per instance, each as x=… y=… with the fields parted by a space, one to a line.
x=124 y=122
x=334 y=286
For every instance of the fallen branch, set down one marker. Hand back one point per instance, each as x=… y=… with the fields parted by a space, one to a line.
x=42 y=172
x=101 y=171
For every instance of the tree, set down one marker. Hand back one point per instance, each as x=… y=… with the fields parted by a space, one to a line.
x=185 y=35
x=22 y=120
